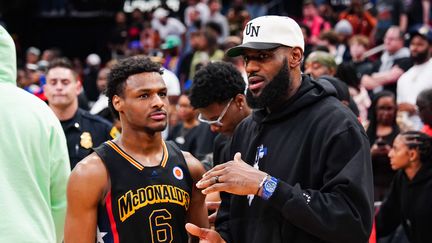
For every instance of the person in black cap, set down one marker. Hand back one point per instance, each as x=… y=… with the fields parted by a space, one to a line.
x=301 y=170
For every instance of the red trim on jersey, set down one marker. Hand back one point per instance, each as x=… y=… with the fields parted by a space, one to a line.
x=111 y=218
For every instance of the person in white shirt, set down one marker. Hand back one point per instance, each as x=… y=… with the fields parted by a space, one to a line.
x=418 y=77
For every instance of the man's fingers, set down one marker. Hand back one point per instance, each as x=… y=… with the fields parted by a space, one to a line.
x=197 y=231
x=237 y=157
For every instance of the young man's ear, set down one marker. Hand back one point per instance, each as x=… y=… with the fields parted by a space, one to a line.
x=240 y=101
x=117 y=103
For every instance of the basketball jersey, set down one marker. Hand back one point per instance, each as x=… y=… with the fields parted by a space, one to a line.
x=144 y=204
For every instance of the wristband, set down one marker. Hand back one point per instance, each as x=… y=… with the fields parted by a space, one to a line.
x=269 y=187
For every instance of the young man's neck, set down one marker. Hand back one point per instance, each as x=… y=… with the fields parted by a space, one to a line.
x=140 y=142
x=65 y=113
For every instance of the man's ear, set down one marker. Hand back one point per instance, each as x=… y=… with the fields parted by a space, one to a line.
x=296 y=57
x=117 y=103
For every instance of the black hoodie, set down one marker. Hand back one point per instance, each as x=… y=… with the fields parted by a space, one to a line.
x=409 y=203
x=320 y=154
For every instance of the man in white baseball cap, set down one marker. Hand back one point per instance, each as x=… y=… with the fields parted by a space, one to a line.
x=301 y=168
x=269 y=32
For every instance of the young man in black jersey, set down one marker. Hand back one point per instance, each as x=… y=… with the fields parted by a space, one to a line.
x=136 y=188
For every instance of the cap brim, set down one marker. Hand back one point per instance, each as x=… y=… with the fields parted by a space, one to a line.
x=238 y=50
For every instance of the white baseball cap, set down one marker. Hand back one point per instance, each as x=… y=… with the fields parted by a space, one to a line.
x=269 y=32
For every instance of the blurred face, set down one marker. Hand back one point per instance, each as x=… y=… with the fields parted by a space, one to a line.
x=425 y=111
x=357 y=51
x=419 y=48
x=101 y=81
x=144 y=103
x=392 y=41
x=386 y=110
x=61 y=88
x=185 y=111
x=309 y=11
x=399 y=154
x=316 y=70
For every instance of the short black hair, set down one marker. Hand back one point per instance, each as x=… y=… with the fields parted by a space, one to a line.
x=123 y=70
x=216 y=82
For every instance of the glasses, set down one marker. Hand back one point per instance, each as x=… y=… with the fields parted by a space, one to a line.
x=216 y=122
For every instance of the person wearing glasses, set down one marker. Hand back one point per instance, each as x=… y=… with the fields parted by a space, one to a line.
x=218 y=94
x=190 y=134
x=301 y=168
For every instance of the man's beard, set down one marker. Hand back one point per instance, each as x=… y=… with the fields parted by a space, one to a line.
x=274 y=92
x=421 y=57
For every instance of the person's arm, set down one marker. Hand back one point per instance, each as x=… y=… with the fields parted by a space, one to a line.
x=340 y=211
x=86 y=188
x=59 y=160
x=381 y=78
x=197 y=212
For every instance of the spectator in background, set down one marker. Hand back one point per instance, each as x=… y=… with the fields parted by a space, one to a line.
x=217 y=17
x=190 y=134
x=90 y=75
x=361 y=20
x=237 y=17
x=391 y=65
x=382 y=130
x=320 y=63
x=313 y=21
x=344 y=31
x=197 y=13
x=418 y=77
x=83 y=130
x=100 y=107
x=119 y=36
x=207 y=50
x=322 y=66
x=389 y=13
x=358 y=45
x=33 y=160
x=418 y=13
x=238 y=62
x=171 y=50
x=166 y=25
x=408 y=202
x=32 y=55
x=424 y=105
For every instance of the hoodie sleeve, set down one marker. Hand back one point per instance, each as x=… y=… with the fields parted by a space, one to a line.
x=341 y=210
x=60 y=170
